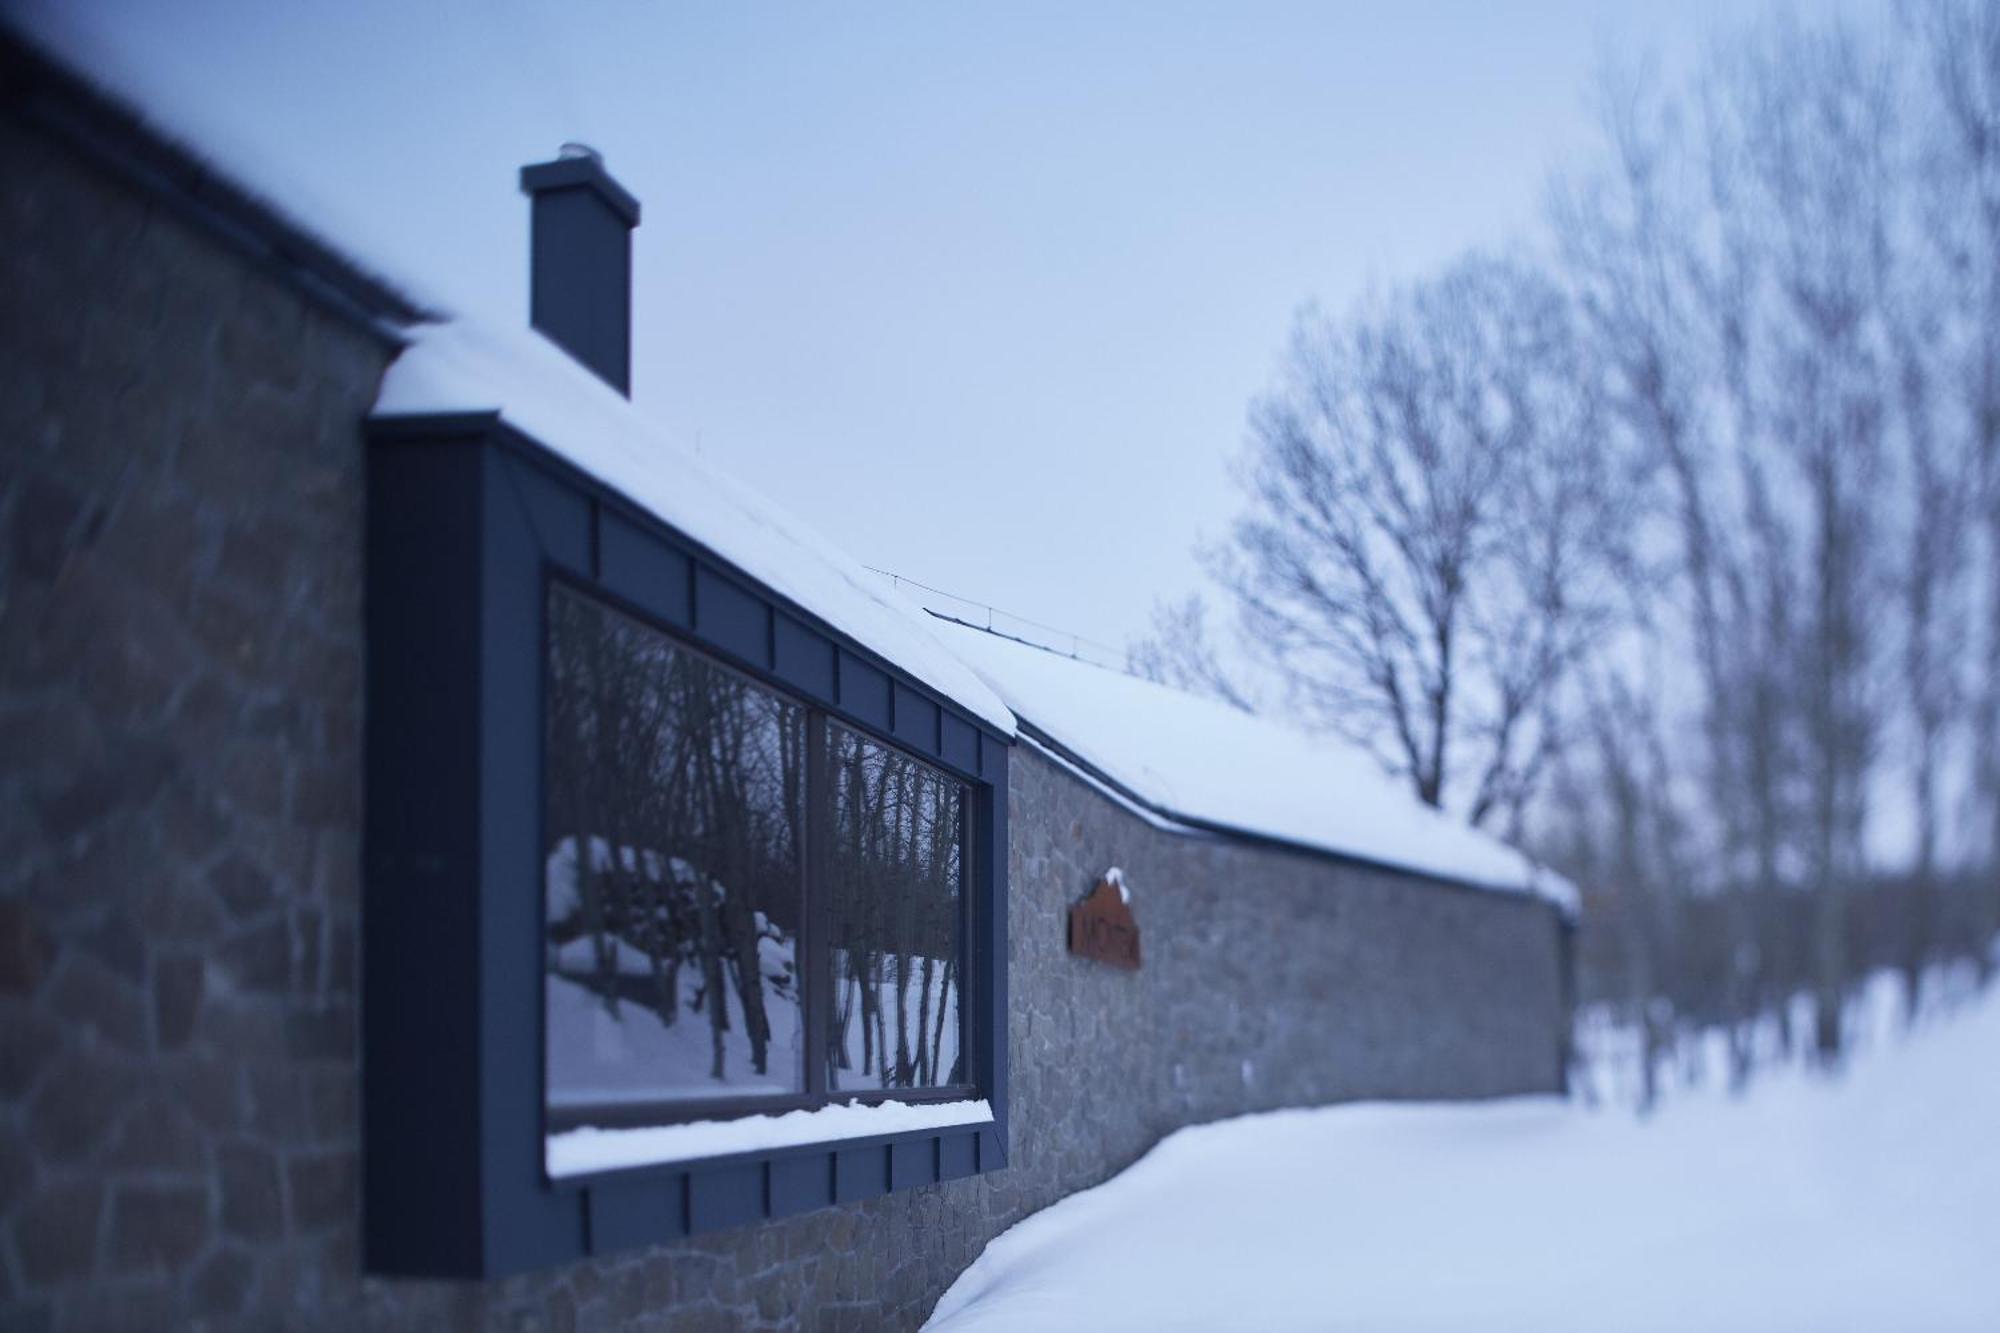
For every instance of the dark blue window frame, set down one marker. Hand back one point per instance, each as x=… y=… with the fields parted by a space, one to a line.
x=468 y=519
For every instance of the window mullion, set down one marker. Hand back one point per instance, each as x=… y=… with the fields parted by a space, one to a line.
x=815 y=968
x=968 y=886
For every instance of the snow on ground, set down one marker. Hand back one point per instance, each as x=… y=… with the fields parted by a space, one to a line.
x=1199 y=759
x=1695 y=1059
x=1870 y=1202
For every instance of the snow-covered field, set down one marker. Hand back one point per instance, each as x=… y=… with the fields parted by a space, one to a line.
x=1868 y=1202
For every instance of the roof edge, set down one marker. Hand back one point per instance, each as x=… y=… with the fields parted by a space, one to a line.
x=421 y=428
x=41 y=91
x=1173 y=821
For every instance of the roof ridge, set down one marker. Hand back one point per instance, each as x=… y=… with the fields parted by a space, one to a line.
x=948 y=618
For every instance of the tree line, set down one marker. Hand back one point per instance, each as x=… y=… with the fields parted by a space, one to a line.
x=1666 y=543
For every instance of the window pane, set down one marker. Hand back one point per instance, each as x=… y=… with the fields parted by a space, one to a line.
x=894 y=874
x=673 y=833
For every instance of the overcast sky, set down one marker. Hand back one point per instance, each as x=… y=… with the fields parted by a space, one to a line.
x=981 y=292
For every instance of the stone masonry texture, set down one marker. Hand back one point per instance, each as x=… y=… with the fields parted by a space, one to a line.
x=181 y=697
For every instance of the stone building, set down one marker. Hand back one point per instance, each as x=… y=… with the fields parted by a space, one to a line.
x=467 y=862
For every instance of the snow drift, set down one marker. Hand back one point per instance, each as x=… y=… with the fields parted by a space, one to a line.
x=1866 y=1202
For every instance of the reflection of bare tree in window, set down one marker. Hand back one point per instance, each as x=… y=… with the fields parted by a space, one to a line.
x=894 y=876
x=676 y=799
x=675 y=806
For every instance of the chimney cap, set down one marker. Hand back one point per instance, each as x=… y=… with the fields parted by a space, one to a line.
x=579 y=166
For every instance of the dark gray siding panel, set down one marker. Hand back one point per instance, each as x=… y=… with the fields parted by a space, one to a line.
x=958 y=1155
x=731 y=618
x=916 y=720
x=805 y=658
x=992 y=756
x=557 y=517
x=526 y=1224
x=959 y=743
x=913 y=1163
x=860 y=1173
x=422 y=897
x=725 y=1196
x=800 y=1184
x=864 y=691
x=637 y=1212
x=645 y=571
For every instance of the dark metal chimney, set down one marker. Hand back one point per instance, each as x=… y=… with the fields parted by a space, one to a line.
x=580 y=277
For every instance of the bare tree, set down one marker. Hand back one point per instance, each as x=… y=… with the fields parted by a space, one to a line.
x=1802 y=163
x=1181 y=652
x=1959 y=50
x=1631 y=772
x=1426 y=496
x=1936 y=525
x=1741 y=265
x=1638 y=260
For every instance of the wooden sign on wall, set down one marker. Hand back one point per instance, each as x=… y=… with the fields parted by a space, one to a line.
x=1102 y=927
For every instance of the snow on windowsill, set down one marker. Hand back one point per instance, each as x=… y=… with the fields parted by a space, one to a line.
x=588 y=1151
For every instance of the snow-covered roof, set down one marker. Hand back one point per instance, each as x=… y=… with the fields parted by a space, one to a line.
x=1183 y=757
x=1202 y=762
x=473 y=362
x=465 y=366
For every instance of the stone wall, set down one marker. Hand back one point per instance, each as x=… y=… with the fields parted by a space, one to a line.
x=180 y=696
x=180 y=700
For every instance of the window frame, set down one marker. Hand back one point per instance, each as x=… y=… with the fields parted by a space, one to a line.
x=467 y=520
x=813 y=944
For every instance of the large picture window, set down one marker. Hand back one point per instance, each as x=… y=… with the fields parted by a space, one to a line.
x=684 y=907
x=747 y=906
